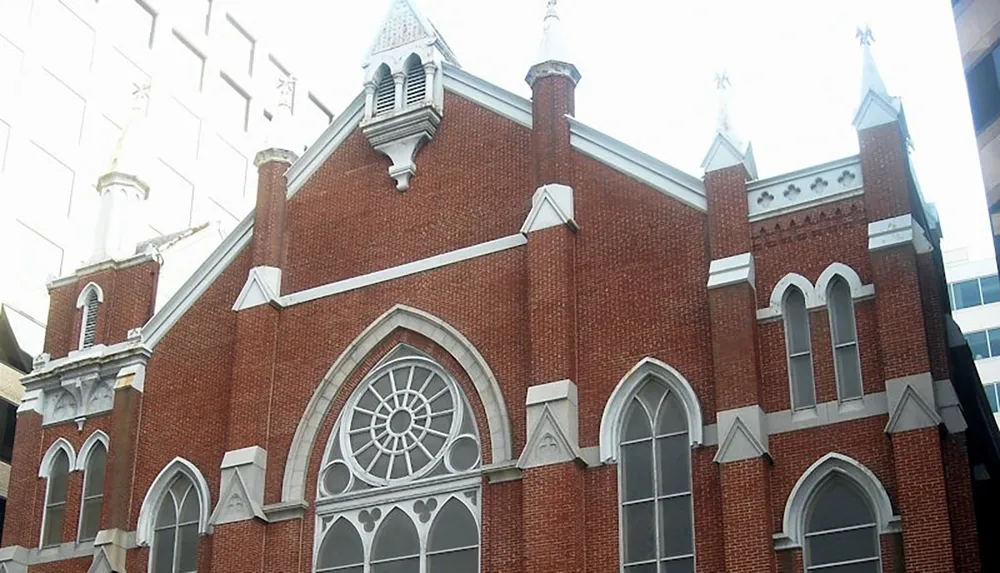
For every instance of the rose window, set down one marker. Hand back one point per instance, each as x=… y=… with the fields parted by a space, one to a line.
x=406 y=420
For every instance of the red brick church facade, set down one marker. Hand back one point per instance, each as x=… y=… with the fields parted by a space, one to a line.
x=529 y=347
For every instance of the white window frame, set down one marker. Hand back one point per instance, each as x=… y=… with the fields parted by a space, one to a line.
x=144 y=532
x=788 y=351
x=83 y=302
x=833 y=339
x=44 y=471
x=82 y=460
x=805 y=536
x=653 y=379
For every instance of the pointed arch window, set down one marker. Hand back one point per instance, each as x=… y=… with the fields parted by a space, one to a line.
x=407 y=422
x=416 y=81
x=90 y=297
x=841 y=529
x=175 y=529
x=385 y=91
x=799 y=348
x=55 y=499
x=843 y=331
x=656 y=514
x=93 y=492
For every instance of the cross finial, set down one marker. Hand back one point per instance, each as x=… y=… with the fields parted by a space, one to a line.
x=286 y=91
x=722 y=80
x=552 y=4
x=865 y=36
x=140 y=96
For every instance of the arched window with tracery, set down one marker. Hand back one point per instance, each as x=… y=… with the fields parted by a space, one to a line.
x=654 y=468
x=175 y=529
x=841 y=530
x=408 y=421
x=56 y=466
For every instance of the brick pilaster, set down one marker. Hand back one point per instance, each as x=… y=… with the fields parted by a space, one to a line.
x=124 y=438
x=552 y=99
x=269 y=213
x=552 y=304
x=23 y=526
x=553 y=508
x=746 y=509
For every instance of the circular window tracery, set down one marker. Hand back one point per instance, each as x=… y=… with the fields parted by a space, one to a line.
x=400 y=424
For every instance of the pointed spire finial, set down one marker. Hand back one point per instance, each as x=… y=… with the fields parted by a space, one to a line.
x=553 y=45
x=722 y=80
x=281 y=137
x=876 y=105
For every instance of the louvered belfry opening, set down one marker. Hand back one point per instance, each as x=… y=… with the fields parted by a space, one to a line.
x=416 y=81
x=89 y=321
x=385 y=93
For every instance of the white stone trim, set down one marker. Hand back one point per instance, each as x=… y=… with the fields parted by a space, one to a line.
x=611 y=419
x=45 y=468
x=638 y=165
x=113 y=264
x=552 y=425
x=399 y=316
x=731 y=270
x=876 y=109
x=724 y=152
x=263 y=286
x=949 y=407
x=897 y=231
x=742 y=434
x=815 y=295
x=805 y=188
x=551 y=205
x=911 y=403
x=493 y=98
x=241 y=488
x=81 y=300
x=331 y=139
x=827 y=413
x=98 y=437
x=430 y=263
x=793 y=522
x=159 y=487
x=194 y=287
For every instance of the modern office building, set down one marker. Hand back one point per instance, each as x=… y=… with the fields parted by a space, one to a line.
x=978 y=25
x=67 y=72
x=974 y=289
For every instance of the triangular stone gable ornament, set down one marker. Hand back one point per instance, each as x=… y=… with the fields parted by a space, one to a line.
x=263 y=286
x=547 y=444
x=739 y=444
x=552 y=205
x=876 y=109
x=100 y=564
x=912 y=412
x=235 y=504
x=726 y=153
x=403 y=25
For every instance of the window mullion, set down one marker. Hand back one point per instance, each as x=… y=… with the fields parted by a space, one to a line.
x=656 y=496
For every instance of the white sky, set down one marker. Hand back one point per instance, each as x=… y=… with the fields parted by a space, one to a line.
x=648 y=69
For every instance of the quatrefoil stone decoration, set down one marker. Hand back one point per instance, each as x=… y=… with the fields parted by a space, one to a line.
x=765 y=199
x=792 y=192
x=369 y=518
x=425 y=508
x=819 y=185
x=846 y=178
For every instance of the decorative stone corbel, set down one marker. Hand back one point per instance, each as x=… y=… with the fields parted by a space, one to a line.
x=553 y=425
x=551 y=205
x=242 y=487
x=400 y=137
x=263 y=286
x=110 y=547
x=911 y=403
x=731 y=270
x=743 y=434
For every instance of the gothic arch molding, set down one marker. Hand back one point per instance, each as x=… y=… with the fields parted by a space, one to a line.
x=60 y=445
x=858 y=289
x=400 y=316
x=158 y=489
x=98 y=437
x=834 y=463
x=628 y=386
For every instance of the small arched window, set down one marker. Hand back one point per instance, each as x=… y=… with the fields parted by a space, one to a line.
x=175 y=529
x=90 y=297
x=385 y=91
x=342 y=550
x=454 y=540
x=93 y=492
x=841 y=531
x=843 y=331
x=799 y=348
x=654 y=471
x=397 y=545
x=416 y=81
x=55 y=499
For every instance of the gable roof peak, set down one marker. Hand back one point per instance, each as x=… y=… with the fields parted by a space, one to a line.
x=406 y=26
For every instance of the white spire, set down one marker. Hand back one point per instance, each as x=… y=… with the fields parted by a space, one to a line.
x=724 y=120
x=727 y=148
x=871 y=80
x=553 y=46
x=877 y=107
x=133 y=149
x=281 y=133
x=122 y=188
